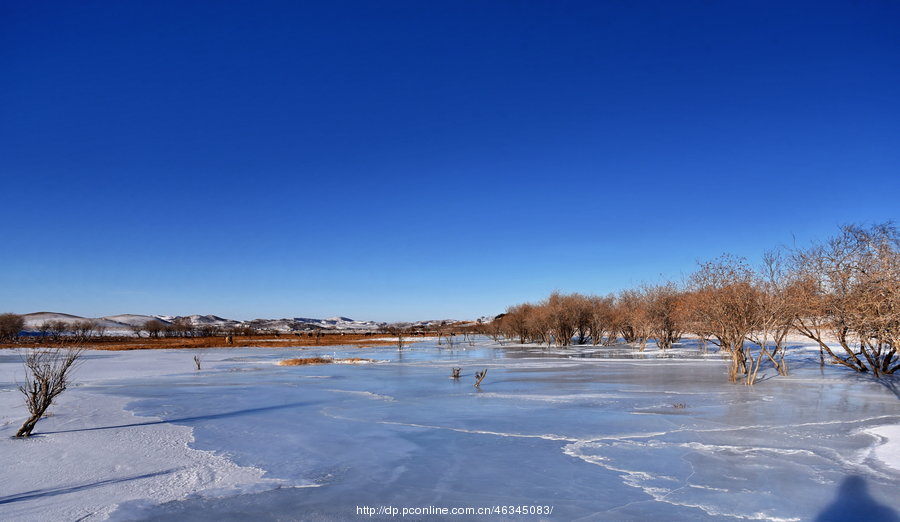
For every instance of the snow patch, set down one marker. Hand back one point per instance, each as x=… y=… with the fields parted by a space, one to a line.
x=888 y=452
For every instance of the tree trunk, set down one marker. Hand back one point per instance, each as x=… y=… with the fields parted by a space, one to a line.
x=25 y=430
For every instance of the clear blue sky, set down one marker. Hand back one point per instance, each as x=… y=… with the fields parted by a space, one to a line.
x=411 y=160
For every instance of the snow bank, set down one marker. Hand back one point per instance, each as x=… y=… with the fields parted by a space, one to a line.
x=90 y=454
x=888 y=452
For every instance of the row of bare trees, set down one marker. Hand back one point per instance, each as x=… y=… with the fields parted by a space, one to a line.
x=77 y=332
x=183 y=327
x=636 y=316
x=843 y=293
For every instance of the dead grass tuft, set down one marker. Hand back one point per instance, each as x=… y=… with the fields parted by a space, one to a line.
x=304 y=361
x=353 y=360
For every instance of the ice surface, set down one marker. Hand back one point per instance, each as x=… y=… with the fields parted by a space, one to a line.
x=594 y=432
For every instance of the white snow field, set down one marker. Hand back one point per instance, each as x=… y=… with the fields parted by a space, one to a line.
x=596 y=433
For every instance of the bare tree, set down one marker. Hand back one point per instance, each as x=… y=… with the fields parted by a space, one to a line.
x=562 y=317
x=44 y=329
x=580 y=315
x=849 y=287
x=153 y=327
x=664 y=314
x=208 y=330
x=136 y=329
x=182 y=326
x=84 y=330
x=515 y=322
x=57 y=330
x=540 y=324
x=10 y=326
x=632 y=317
x=724 y=302
x=494 y=329
x=776 y=311
x=48 y=373
x=399 y=330
x=197 y=362
x=601 y=319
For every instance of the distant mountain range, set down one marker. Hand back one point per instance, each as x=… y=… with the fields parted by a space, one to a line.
x=122 y=324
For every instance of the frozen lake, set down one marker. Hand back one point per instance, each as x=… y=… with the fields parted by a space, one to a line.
x=596 y=433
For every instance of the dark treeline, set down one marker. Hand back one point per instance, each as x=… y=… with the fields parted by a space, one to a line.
x=12 y=325
x=183 y=327
x=843 y=292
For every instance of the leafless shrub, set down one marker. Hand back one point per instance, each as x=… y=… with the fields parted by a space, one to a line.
x=601 y=320
x=10 y=326
x=540 y=324
x=136 y=329
x=776 y=311
x=197 y=362
x=665 y=309
x=454 y=373
x=182 y=327
x=47 y=373
x=479 y=376
x=57 y=329
x=849 y=288
x=562 y=315
x=398 y=330
x=84 y=330
x=494 y=329
x=44 y=329
x=724 y=301
x=632 y=317
x=153 y=327
x=208 y=330
x=515 y=322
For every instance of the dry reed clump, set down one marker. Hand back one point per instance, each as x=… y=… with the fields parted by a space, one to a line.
x=353 y=360
x=304 y=361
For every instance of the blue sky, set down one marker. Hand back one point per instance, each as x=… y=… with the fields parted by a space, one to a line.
x=410 y=160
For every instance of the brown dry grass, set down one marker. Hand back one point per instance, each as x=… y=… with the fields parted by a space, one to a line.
x=354 y=360
x=274 y=341
x=304 y=361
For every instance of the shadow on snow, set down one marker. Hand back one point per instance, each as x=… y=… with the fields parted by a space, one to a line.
x=50 y=492
x=184 y=420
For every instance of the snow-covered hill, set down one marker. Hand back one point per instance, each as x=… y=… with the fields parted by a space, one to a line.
x=133 y=319
x=38 y=320
x=122 y=324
